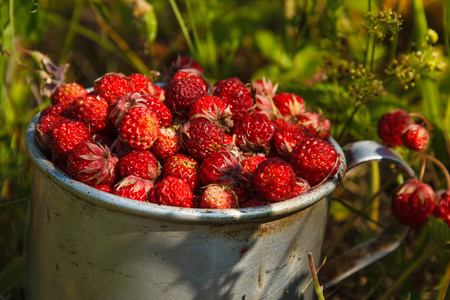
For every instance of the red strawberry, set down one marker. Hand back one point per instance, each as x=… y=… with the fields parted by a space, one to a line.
x=274 y=180
x=66 y=135
x=183 y=167
x=133 y=187
x=182 y=93
x=43 y=130
x=314 y=160
x=250 y=163
x=59 y=109
x=186 y=63
x=92 y=164
x=141 y=83
x=415 y=137
x=301 y=186
x=254 y=203
x=113 y=85
x=316 y=123
x=288 y=137
x=201 y=137
x=139 y=128
x=254 y=133
x=191 y=73
x=392 y=125
x=221 y=167
x=104 y=188
x=92 y=110
x=67 y=93
x=264 y=87
x=167 y=143
x=120 y=107
x=442 y=209
x=218 y=196
x=172 y=191
x=289 y=104
x=212 y=108
x=413 y=203
x=140 y=163
x=235 y=94
x=162 y=111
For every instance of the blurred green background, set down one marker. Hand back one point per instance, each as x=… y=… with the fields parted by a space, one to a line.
x=354 y=60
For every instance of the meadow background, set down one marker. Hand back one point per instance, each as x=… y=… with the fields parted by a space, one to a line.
x=353 y=59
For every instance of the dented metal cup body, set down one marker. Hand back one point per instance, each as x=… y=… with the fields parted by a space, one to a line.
x=83 y=243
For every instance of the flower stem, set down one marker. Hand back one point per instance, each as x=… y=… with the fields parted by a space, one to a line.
x=317 y=286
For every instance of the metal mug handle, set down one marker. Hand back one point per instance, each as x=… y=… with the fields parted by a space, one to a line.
x=380 y=245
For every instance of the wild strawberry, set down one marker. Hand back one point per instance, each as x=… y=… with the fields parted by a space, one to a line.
x=172 y=191
x=264 y=87
x=67 y=93
x=289 y=104
x=113 y=85
x=167 y=143
x=288 y=137
x=43 y=130
x=415 y=137
x=279 y=123
x=158 y=92
x=133 y=187
x=182 y=93
x=221 y=167
x=182 y=63
x=140 y=163
x=92 y=164
x=442 y=209
x=316 y=123
x=120 y=107
x=66 y=135
x=141 y=83
x=191 y=73
x=212 y=108
x=249 y=164
x=314 y=160
x=184 y=167
x=104 y=188
x=161 y=111
x=92 y=110
x=254 y=202
x=254 y=133
x=102 y=138
x=217 y=196
x=235 y=94
x=391 y=126
x=139 y=128
x=301 y=186
x=274 y=180
x=413 y=203
x=59 y=109
x=201 y=137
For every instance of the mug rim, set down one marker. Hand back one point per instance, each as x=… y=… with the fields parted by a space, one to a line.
x=180 y=214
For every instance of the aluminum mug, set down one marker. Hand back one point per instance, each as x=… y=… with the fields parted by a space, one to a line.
x=83 y=243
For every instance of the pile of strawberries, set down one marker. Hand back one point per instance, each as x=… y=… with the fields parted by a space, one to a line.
x=186 y=142
x=414 y=201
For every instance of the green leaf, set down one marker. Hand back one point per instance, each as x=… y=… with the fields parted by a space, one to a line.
x=272 y=48
x=12 y=274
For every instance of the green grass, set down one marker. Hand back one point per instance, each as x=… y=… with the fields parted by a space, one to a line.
x=326 y=51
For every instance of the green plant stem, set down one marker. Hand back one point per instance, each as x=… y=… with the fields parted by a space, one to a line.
x=183 y=27
x=317 y=286
x=375 y=186
x=410 y=270
x=68 y=42
x=443 y=286
x=135 y=60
